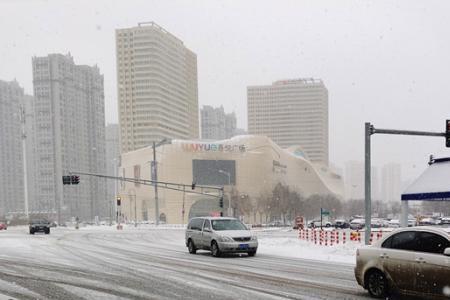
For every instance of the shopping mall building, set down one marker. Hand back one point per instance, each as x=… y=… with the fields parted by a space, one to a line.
x=248 y=165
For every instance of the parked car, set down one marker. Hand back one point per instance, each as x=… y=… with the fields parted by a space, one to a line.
x=445 y=221
x=220 y=235
x=413 y=261
x=394 y=223
x=376 y=223
x=3 y=226
x=427 y=221
x=357 y=224
x=277 y=223
x=343 y=224
x=317 y=224
x=39 y=225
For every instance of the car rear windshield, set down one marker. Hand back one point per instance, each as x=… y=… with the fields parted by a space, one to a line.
x=219 y=225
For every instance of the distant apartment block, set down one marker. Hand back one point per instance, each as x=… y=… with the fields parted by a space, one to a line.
x=391 y=182
x=354 y=181
x=70 y=136
x=157 y=87
x=11 y=163
x=216 y=124
x=291 y=112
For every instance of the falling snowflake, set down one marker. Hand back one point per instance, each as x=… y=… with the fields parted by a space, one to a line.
x=446 y=291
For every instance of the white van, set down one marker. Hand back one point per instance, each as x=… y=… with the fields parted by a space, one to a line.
x=220 y=235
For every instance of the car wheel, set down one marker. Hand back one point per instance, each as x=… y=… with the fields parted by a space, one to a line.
x=377 y=284
x=191 y=247
x=328 y=225
x=251 y=253
x=47 y=231
x=31 y=232
x=215 y=249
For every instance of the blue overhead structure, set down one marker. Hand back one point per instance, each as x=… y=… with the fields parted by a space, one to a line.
x=433 y=184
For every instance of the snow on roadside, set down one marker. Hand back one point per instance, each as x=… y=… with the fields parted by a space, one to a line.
x=285 y=242
x=296 y=248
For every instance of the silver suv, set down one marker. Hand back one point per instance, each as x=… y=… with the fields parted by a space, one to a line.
x=220 y=235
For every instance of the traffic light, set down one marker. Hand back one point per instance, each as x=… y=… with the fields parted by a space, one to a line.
x=66 y=179
x=193 y=186
x=221 y=202
x=75 y=179
x=447 y=133
x=118 y=201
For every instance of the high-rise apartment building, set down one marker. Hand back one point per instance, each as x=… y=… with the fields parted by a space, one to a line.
x=70 y=136
x=291 y=112
x=157 y=87
x=11 y=157
x=216 y=124
x=391 y=182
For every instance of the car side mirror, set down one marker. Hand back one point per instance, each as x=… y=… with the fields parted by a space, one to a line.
x=447 y=251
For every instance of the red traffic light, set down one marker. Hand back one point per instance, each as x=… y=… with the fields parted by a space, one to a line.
x=447 y=133
x=75 y=179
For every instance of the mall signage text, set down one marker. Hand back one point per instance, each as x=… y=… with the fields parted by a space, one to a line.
x=207 y=147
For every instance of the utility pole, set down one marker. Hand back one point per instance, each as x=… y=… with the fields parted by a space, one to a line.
x=154 y=174
x=24 y=154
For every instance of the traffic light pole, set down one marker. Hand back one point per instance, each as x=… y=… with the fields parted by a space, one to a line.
x=165 y=185
x=369 y=131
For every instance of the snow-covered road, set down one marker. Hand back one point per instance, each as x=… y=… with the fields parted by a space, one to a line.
x=146 y=263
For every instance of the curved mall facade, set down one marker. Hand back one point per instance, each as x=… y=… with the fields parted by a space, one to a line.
x=250 y=165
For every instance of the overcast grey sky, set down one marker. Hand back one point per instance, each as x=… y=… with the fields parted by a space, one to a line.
x=387 y=62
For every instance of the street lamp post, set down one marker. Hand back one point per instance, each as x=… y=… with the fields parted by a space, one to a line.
x=114 y=207
x=230 y=213
x=133 y=195
x=155 y=176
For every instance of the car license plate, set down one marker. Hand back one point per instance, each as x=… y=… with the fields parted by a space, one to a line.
x=243 y=246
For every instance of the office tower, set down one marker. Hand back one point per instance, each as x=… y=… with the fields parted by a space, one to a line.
x=216 y=124
x=11 y=156
x=157 y=87
x=291 y=112
x=391 y=182
x=70 y=136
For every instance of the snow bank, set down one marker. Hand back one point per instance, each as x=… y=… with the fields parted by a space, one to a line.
x=285 y=243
